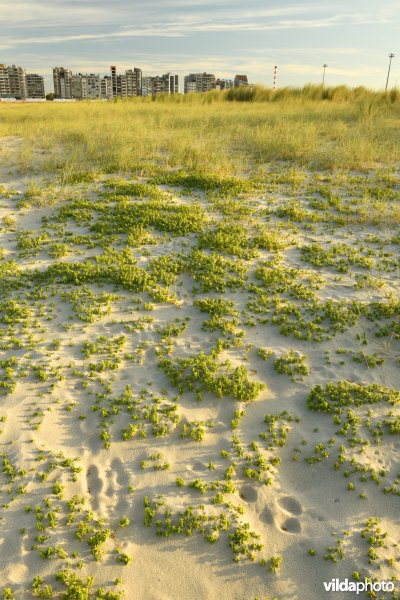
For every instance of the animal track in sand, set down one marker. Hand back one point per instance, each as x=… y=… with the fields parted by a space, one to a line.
x=290 y=505
x=197 y=465
x=267 y=516
x=248 y=493
x=291 y=525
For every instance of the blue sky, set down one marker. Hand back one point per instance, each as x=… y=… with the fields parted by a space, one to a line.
x=354 y=38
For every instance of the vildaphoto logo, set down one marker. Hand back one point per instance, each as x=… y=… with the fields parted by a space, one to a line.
x=346 y=585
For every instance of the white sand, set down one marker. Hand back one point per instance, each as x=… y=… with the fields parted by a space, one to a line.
x=298 y=512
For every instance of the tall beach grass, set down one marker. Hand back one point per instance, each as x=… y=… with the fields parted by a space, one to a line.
x=224 y=133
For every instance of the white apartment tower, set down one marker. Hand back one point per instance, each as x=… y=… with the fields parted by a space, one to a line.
x=106 y=87
x=62 y=79
x=199 y=82
x=16 y=86
x=35 y=86
x=126 y=85
x=15 y=82
x=160 y=84
x=86 y=86
x=4 y=82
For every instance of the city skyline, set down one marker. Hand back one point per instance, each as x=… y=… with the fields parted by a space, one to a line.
x=17 y=84
x=184 y=36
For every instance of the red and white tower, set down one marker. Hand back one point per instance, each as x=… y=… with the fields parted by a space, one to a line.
x=275 y=77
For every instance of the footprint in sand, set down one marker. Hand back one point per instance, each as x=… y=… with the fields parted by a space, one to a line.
x=293 y=507
x=94 y=484
x=121 y=475
x=118 y=487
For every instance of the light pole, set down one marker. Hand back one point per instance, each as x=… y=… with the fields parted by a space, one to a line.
x=391 y=55
x=323 y=76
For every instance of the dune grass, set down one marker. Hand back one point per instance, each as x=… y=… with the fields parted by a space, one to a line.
x=232 y=133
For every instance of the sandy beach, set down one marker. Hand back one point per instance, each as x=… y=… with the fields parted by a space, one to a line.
x=199 y=392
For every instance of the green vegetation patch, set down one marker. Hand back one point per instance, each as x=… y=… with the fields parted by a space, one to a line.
x=223 y=314
x=336 y=396
x=205 y=372
x=243 y=541
x=216 y=272
x=293 y=364
x=174 y=218
x=236 y=239
x=207 y=182
x=340 y=256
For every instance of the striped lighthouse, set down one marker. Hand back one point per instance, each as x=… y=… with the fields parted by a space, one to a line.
x=275 y=77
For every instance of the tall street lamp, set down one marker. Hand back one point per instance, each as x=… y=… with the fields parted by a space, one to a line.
x=391 y=55
x=323 y=76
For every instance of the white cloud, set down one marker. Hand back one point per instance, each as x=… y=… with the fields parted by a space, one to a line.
x=184 y=26
x=21 y=13
x=47 y=32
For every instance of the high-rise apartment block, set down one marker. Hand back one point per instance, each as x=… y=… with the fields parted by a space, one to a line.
x=106 y=91
x=134 y=82
x=86 y=86
x=173 y=84
x=62 y=79
x=17 y=80
x=114 y=81
x=160 y=84
x=126 y=85
x=4 y=82
x=13 y=82
x=122 y=87
x=35 y=86
x=199 y=82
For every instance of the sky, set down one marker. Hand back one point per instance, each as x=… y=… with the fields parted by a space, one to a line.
x=224 y=37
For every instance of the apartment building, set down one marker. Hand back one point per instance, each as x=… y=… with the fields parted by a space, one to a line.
x=12 y=82
x=122 y=86
x=127 y=84
x=35 y=86
x=78 y=86
x=84 y=86
x=240 y=81
x=224 y=84
x=160 y=84
x=134 y=82
x=91 y=87
x=106 y=91
x=62 y=79
x=4 y=82
x=173 y=84
x=114 y=80
x=17 y=81
x=199 y=82
x=190 y=87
